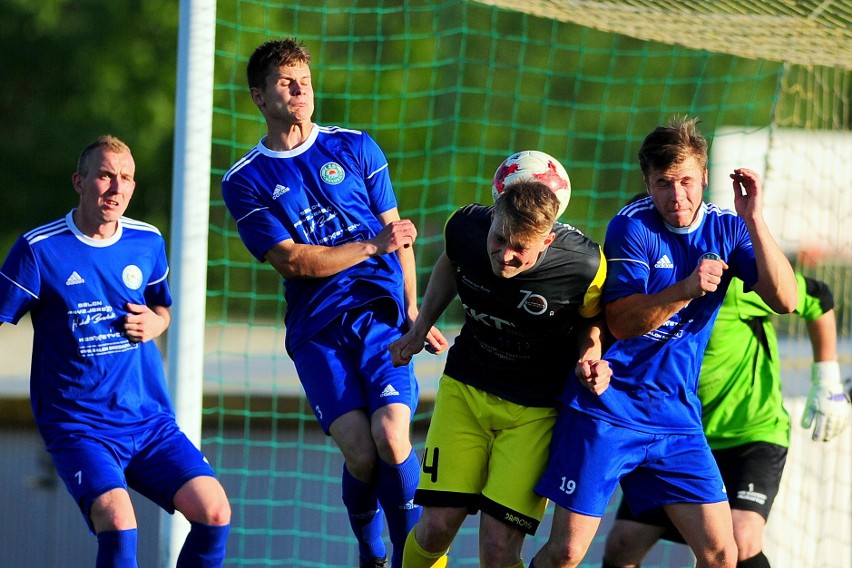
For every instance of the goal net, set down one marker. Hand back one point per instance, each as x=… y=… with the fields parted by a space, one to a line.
x=448 y=89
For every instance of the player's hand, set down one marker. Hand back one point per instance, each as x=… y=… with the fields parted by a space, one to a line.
x=748 y=193
x=706 y=277
x=594 y=375
x=142 y=324
x=407 y=346
x=827 y=408
x=436 y=343
x=394 y=236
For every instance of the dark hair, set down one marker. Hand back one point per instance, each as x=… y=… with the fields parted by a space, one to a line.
x=670 y=145
x=271 y=55
x=526 y=208
x=107 y=142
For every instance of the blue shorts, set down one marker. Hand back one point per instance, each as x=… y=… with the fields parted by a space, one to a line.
x=751 y=471
x=347 y=365
x=155 y=462
x=588 y=457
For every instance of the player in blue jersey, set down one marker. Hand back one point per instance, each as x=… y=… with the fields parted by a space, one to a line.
x=94 y=283
x=317 y=203
x=744 y=418
x=670 y=259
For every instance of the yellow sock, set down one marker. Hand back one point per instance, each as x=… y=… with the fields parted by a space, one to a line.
x=518 y=565
x=415 y=557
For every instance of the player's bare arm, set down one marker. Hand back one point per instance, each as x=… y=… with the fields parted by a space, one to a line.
x=435 y=340
x=776 y=282
x=439 y=293
x=638 y=314
x=295 y=260
x=593 y=372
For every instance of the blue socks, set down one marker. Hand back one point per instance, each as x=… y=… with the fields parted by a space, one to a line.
x=365 y=516
x=117 y=549
x=396 y=487
x=204 y=546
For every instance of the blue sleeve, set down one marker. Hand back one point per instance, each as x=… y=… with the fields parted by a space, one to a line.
x=259 y=229
x=20 y=282
x=377 y=176
x=157 y=291
x=741 y=260
x=626 y=253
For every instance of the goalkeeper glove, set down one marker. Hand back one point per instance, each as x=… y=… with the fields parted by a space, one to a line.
x=828 y=405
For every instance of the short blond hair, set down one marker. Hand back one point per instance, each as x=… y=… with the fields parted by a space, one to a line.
x=106 y=142
x=526 y=208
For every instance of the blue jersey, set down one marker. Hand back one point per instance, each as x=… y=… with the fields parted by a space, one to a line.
x=328 y=191
x=655 y=376
x=86 y=376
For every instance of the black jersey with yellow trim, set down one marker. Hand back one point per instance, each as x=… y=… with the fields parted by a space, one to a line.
x=519 y=339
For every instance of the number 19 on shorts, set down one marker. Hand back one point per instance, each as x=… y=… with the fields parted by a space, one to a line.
x=567 y=486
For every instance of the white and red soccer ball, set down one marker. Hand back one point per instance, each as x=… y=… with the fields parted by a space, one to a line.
x=532 y=164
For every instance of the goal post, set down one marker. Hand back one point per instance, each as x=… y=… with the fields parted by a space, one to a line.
x=189 y=230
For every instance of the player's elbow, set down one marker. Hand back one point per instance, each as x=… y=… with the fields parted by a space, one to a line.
x=789 y=300
x=783 y=299
x=784 y=304
x=786 y=309
x=286 y=261
x=624 y=327
x=616 y=331
x=622 y=324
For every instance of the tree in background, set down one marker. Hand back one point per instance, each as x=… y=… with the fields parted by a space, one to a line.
x=71 y=71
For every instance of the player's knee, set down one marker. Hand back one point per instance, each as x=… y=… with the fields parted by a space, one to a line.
x=621 y=551
x=113 y=511
x=392 y=444
x=615 y=548
x=499 y=551
x=564 y=554
x=390 y=429
x=362 y=462
x=748 y=536
x=723 y=556
x=203 y=500
x=748 y=548
x=219 y=514
x=437 y=528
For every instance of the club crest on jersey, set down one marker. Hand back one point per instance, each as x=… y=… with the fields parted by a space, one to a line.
x=535 y=304
x=132 y=276
x=332 y=173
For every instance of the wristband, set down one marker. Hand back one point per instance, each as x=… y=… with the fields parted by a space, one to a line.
x=825 y=373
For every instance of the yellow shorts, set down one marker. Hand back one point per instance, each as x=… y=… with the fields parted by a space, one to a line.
x=485 y=453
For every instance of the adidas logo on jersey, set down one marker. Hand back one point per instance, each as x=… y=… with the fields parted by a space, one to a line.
x=664 y=262
x=279 y=191
x=389 y=391
x=74 y=279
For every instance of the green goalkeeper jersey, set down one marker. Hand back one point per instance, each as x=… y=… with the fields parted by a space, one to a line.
x=740 y=384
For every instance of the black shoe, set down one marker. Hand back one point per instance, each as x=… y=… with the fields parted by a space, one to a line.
x=376 y=563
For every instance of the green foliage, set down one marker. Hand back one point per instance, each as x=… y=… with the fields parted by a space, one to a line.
x=73 y=70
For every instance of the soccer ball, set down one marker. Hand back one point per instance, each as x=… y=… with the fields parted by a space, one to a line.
x=532 y=164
